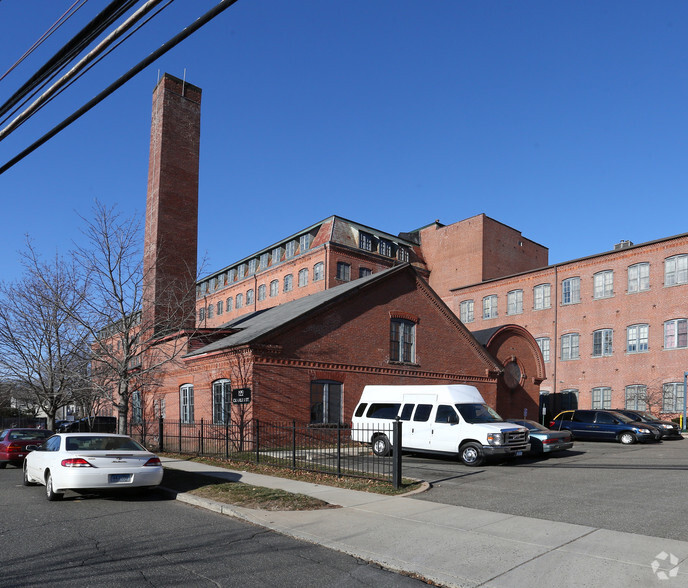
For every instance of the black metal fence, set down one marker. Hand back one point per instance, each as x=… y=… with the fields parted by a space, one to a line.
x=339 y=450
x=22 y=422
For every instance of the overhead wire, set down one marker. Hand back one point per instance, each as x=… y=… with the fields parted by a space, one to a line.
x=70 y=50
x=71 y=11
x=102 y=50
x=164 y=48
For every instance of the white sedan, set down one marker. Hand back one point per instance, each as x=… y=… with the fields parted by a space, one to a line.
x=91 y=461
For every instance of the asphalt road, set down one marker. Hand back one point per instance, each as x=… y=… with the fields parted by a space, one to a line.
x=154 y=541
x=637 y=488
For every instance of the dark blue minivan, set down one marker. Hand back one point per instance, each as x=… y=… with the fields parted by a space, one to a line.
x=603 y=425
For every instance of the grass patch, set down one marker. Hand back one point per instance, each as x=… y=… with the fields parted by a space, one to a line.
x=350 y=483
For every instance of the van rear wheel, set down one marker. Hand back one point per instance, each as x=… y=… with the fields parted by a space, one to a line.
x=381 y=446
x=472 y=454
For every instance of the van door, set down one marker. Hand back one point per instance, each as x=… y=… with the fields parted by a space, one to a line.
x=420 y=428
x=445 y=430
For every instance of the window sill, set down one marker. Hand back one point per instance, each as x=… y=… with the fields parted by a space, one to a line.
x=404 y=363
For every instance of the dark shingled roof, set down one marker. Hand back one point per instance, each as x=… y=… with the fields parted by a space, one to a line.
x=252 y=327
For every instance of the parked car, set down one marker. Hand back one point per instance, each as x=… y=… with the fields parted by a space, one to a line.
x=92 y=424
x=603 y=425
x=91 y=461
x=668 y=429
x=544 y=440
x=13 y=444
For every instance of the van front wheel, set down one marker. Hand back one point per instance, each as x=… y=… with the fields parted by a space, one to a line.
x=472 y=454
x=381 y=446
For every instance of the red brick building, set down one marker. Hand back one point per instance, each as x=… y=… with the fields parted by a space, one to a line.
x=612 y=326
x=306 y=323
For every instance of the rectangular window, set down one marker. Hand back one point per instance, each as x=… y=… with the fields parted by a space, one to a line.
x=676 y=334
x=402 y=341
x=636 y=397
x=343 y=271
x=232 y=276
x=221 y=401
x=365 y=241
x=241 y=271
x=211 y=310
x=638 y=277
x=541 y=296
x=364 y=271
x=318 y=271
x=602 y=398
x=490 y=306
x=276 y=255
x=514 y=302
x=602 y=343
x=570 y=291
x=543 y=343
x=637 y=338
x=385 y=248
x=569 y=346
x=305 y=242
x=603 y=284
x=201 y=314
x=264 y=260
x=676 y=270
x=252 y=265
x=186 y=403
x=326 y=402
x=136 y=408
x=303 y=277
x=288 y=283
x=466 y=311
x=290 y=249
x=673 y=397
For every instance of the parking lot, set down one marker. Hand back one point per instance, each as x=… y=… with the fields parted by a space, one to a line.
x=637 y=489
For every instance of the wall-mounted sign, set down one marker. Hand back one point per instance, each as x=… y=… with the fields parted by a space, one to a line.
x=241 y=396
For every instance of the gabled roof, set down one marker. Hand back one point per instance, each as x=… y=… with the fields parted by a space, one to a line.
x=252 y=327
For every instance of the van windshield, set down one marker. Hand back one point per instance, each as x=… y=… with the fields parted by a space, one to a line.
x=478 y=413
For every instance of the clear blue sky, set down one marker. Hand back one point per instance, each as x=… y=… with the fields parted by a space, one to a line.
x=565 y=120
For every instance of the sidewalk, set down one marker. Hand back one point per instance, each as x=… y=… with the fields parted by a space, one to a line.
x=457 y=546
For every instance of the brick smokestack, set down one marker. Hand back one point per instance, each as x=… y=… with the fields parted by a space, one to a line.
x=171 y=235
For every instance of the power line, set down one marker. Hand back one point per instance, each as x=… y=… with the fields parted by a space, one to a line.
x=71 y=49
x=164 y=48
x=71 y=11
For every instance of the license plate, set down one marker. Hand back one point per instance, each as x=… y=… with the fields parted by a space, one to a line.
x=119 y=478
x=519 y=453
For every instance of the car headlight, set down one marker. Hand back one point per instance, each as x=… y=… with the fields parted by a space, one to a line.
x=667 y=426
x=643 y=431
x=495 y=438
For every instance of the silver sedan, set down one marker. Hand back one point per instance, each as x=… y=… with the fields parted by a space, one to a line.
x=91 y=461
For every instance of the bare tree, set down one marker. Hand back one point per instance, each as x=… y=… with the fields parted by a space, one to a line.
x=130 y=346
x=42 y=345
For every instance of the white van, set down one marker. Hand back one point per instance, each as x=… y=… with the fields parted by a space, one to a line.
x=447 y=419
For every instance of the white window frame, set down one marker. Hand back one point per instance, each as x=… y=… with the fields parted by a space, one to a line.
x=544 y=344
x=239 y=301
x=514 y=302
x=637 y=338
x=570 y=346
x=676 y=270
x=186 y=403
x=303 y=277
x=638 y=277
x=603 y=284
x=636 y=397
x=601 y=398
x=676 y=334
x=343 y=271
x=250 y=294
x=490 y=306
x=318 y=271
x=570 y=291
x=274 y=288
x=602 y=343
x=262 y=290
x=467 y=311
x=288 y=283
x=222 y=401
x=673 y=397
x=542 y=296
x=402 y=347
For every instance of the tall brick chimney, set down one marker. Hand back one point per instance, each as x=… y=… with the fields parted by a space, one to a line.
x=171 y=234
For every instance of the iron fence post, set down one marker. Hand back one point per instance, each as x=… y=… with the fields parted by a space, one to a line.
x=201 y=438
x=227 y=438
x=161 y=432
x=257 y=441
x=293 y=444
x=339 y=450
x=396 y=453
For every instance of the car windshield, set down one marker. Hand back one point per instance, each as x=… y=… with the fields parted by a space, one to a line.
x=648 y=417
x=478 y=413
x=102 y=443
x=622 y=417
x=29 y=434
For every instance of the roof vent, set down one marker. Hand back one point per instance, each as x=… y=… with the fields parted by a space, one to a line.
x=623 y=245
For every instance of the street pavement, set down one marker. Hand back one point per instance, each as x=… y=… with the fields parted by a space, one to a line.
x=458 y=546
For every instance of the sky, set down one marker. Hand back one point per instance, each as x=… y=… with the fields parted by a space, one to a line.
x=564 y=120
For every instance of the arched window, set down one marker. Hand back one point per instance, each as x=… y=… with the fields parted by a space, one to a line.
x=221 y=401
x=186 y=403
